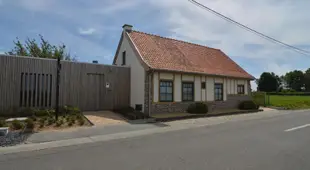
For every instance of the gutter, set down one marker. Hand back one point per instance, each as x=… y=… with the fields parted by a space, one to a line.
x=149 y=73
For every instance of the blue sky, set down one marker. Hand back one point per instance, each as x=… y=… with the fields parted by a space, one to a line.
x=91 y=29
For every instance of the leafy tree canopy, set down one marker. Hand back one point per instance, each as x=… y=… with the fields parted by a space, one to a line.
x=307 y=80
x=295 y=80
x=43 y=49
x=268 y=82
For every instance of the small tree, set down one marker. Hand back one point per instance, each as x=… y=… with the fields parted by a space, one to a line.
x=268 y=82
x=43 y=49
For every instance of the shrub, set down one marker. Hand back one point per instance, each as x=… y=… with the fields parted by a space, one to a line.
x=64 y=110
x=200 y=108
x=41 y=124
x=16 y=125
x=33 y=117
x=259 y=98
x=72 y=120
x=50 y=121
x=3 y=123
x=70 y=123
x=73 y=110
x=42 y=112
x=68 y=118
x=248 y=105
x=81 y=121
x=42 y=121
x=59 y=122
x=29 y=124
x=78 y=116
x=25 y=112
x=51 y=112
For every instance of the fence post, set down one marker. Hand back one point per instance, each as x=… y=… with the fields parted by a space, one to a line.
x=57 y=88
x=265 y=99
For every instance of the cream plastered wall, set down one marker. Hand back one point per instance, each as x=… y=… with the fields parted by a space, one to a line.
x=207 y=94
x=137 y=73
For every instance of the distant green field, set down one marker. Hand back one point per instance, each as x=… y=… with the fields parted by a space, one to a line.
x=291 y=102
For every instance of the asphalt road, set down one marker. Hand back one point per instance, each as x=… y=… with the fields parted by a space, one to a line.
x=280 y=142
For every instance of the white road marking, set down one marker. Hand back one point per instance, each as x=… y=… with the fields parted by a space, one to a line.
x=296 y=128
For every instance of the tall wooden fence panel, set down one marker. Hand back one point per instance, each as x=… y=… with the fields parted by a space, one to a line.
x=31 y=82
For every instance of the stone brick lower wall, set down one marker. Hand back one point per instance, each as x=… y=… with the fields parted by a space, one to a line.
x=169 y=107
x=231 y=102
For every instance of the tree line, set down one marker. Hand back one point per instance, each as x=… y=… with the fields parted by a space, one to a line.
x=296 y=80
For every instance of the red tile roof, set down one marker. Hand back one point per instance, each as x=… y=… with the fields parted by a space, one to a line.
x=175 y=55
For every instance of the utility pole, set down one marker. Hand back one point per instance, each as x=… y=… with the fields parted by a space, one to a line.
x=57 y=88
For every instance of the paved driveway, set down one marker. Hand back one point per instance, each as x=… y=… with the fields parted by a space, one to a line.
x=99 y=118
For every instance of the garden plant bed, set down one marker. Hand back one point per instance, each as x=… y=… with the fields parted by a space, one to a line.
x=57 y=125
x=35 y=120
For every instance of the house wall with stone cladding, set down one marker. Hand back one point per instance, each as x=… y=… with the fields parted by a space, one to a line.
x=230 y=97
x=231 y=103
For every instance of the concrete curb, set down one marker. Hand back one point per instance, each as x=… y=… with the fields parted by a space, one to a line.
x=207 y=115
x=142 y=121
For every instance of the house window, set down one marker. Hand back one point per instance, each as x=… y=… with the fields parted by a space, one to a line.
x=187 y=91
x=124 y=58
x=166 y=91
x=203 y=85
x=240 y=89
x=218 y=91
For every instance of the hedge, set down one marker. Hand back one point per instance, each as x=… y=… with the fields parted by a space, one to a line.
x=198 y=108
x=248 y=105
x=289 y=93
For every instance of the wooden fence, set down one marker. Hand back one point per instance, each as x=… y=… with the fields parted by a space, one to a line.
x=31 y=82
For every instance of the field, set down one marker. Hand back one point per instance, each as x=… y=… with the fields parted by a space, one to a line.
x=290 y=102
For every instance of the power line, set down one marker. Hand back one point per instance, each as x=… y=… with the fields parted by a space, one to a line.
x=296 y=49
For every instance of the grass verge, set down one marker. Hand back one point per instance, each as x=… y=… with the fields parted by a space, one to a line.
x=290 y=102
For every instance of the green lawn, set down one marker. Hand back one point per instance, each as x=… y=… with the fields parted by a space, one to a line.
x=290 y=102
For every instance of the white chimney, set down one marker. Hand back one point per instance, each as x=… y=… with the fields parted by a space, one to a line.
x=127 y=27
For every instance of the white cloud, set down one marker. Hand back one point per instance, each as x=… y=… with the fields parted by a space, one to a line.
x=278 y=19
x=287 y=21
x=111 y=6
x=88 y=31
x=37 y=5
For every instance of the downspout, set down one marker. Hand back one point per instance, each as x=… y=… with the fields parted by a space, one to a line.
x=150 y=73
